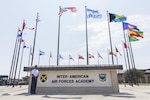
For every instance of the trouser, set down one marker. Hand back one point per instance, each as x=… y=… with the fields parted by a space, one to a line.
x=33 y=85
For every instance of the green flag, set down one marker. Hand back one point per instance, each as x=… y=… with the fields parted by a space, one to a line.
x=133 y=39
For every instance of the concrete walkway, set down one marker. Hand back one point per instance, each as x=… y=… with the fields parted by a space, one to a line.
x=128 y=92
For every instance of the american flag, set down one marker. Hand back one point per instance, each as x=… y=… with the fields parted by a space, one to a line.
x=72 y=9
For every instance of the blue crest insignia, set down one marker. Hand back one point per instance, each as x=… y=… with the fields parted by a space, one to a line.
x=102 y=77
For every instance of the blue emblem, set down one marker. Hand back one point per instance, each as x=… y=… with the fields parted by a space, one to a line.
x=102 y=77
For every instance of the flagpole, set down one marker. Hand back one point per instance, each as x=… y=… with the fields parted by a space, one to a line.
x=127 y=57
x=39 y=58
x=116 y=58
x=108 y=18
x=69 y=60
x=124 y=56
x=86 y=35
x=58 y=38
x=13 y=58
x=78 y=59
x=134 y=68
x=126 y=49
x=50 y=58
x=37 y=19
x=117 y=51
x=108 y=58
x=29 y=58
x=127 y=53
x=98 y=58
x=18 y=53
x=132 y=60
x=131 y=52
x=21 y=62
x=29 y=55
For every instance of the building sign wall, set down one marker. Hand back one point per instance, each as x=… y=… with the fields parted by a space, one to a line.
x=75 y=78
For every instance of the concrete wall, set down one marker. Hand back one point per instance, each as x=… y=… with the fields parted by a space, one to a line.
x=96 y=87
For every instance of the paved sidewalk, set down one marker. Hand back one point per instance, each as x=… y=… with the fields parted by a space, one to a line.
x=128 y=92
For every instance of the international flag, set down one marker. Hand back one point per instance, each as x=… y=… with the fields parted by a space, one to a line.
x=41 y=53
x=125 y=45
x=90 y=56
x=80 y=57
x=72 y=9
x=19 y=30
x=23 y=26
x=25 y=46
x=30 y=28
x=62 y=10
x=136 y=33
x=19 y=34
x=70 y=57
x=93 y=14
x=99 y=55
x=60 y=57
x=111 y=53
x=117 y=51
x=117 y=18
x=37 y=20
x=127 y=26
x=22 y=40
x=133 y=39
x=51 y=55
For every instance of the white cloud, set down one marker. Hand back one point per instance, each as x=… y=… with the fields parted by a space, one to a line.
x=99 y=37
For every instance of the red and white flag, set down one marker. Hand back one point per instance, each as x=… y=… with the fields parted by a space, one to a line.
x=62 y=10
x=117 y=51
x=72 y=9
x=80 y=57
x=91 y=56
x=30 y=28
x=125 y=45
x=23 y=26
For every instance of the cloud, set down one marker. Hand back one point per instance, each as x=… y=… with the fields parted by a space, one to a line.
x=98 y=36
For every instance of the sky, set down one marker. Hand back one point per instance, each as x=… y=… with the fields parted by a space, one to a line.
x=72 y=31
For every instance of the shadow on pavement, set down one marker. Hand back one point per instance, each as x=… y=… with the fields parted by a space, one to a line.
x=25 y=94
x=46 y=96
x=124 y=95
x=147 y=92
x=5 y=94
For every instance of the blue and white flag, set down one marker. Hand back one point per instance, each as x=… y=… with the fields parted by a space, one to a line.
x=93 y=14
x=19 y=34
x=60 y=57
x=25 y=46
x=99 y=55
x=70 y=58
x=41 y=53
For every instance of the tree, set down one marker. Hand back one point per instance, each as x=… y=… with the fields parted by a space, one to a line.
x=133 y=76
